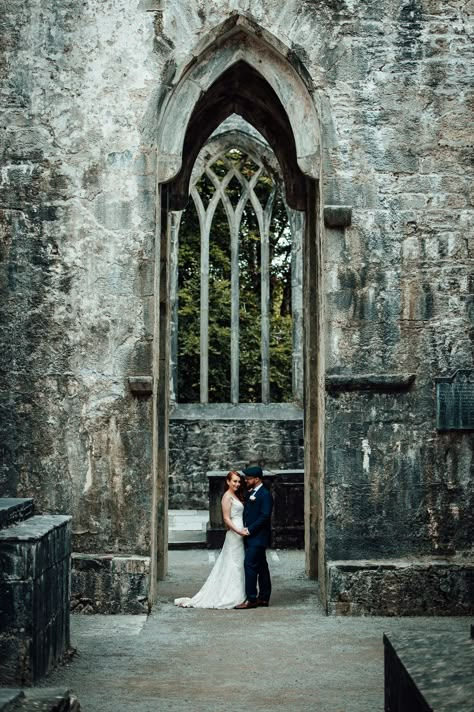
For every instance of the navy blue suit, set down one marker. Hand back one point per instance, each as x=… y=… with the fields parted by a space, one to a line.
x=257 y=518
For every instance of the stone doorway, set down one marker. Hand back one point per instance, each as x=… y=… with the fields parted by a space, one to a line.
x=242 y=70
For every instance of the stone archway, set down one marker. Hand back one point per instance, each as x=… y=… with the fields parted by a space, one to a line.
x=246 y=71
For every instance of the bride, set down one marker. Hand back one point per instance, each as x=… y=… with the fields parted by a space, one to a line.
x=225 y=585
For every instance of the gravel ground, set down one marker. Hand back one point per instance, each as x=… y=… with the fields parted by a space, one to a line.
x=289 y=656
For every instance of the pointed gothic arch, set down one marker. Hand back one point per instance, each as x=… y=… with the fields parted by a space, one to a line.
x=241 y=46
x=242 y=69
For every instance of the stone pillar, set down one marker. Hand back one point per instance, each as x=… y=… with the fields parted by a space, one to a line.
x=35 y=557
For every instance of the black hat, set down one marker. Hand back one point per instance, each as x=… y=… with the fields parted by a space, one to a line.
x=254 y=471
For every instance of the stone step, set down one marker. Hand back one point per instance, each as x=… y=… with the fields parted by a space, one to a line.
x=190 y=536
x=185 y=545
x=44 y=700
x=14 y=510
x=197 y=525
x=187 y=520
x=187 y=539
x=188 y=513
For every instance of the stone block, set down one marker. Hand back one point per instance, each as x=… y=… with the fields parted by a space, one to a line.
x=45 y=700
x=9 y=699
x=109 y=584
x=141 y=385
x=16 y=606
x=337 y=216
x=410 y=587
x=28 y=548
x=34 y=597
x=14 y=509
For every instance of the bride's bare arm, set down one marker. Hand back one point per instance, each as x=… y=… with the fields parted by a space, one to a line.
x=226 y=506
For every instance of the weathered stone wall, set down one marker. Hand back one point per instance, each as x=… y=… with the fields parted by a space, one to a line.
x=81 y=84
x=77 y=221
x=399 y=291
x=410 y=587
x=199 y=446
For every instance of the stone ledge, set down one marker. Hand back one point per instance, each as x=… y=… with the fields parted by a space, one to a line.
x=429 y=672
x=239 y=411
x=141 y=385
x=9 y=699
x=403 y=587
x=46 y=699
x=106 y=583
x=31 y=547
x=337 y=215
x=15 y=509
x=370 y=382
x=34 y=528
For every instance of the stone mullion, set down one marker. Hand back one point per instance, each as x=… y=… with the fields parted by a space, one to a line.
x=234 y=226
x=174 y=305
x=296 y=220
x=235 y=284
x=219 y=195
x=265 y=296
x=204 y=299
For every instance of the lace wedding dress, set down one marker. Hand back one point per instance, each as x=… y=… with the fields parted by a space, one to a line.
x=225 y=585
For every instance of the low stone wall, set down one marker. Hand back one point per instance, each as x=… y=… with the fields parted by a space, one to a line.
x=201 y=445
x=34 y=597
x=417 y=587
x=109 y=584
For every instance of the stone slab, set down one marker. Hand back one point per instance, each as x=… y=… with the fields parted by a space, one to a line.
x=14 y=509
x=9 y=699
x=187 y=536
x=401 y=587
x=433 y=671
x=39 y=700
x=238 y=411
x=369 y=381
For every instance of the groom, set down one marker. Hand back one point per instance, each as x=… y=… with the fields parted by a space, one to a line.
x=257 y=514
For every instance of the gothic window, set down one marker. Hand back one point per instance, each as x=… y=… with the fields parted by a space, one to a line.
x=236 y=286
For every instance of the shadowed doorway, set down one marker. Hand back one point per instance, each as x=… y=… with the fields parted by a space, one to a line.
x=237 y=87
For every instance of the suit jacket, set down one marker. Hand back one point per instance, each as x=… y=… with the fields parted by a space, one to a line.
x=257 y=518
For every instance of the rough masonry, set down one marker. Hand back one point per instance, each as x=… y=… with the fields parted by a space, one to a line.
x=82 y=87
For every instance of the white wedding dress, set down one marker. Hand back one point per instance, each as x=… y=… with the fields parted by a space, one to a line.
x=225 y=585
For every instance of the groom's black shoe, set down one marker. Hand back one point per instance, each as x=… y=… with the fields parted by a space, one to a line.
x=262 y=604
x=245 y=605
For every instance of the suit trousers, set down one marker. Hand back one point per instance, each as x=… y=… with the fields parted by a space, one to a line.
x=257 y=576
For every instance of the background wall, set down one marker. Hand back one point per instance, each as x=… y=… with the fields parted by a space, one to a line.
x=81 y=86
x=198 y=446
